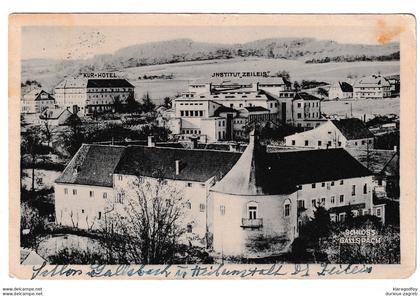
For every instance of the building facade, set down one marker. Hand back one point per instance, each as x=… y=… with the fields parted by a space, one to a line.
x=93 y=95
x=36 y=101
x=372 y=87
x=344 y=133
x=231 y=199
x=340 y=90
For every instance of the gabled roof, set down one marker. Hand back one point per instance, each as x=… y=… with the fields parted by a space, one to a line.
x=195 y=165
x=53 y=113
x=372 y=81
x=72 y=82
x=345 y=87
x=260 y=173
x=305 y=96
x=108 y=83
x=92 y=165
x=353 y=128
x=37 y=95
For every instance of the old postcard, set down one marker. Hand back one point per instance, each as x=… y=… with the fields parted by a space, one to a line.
x=200 y=146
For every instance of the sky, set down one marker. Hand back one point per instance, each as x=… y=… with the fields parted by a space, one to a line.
x=72 y=42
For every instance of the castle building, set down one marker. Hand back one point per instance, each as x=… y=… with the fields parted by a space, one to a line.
x=92 y=95
x=232 y=200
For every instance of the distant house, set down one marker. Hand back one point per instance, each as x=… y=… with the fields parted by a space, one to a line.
x=306 y=110
x=340 y=90
x=36 y=101
x=56 y=117
x=348 y=133
x=372 y=87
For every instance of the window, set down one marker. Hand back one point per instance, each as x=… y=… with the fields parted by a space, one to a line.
x=189 y=228
x=341 y=198
x=314 y=203
x=333 y=199
x=339 y=144
x=91 y=193
x=120 y=177
x=298 y=105
x=306 y=142
x=189 y=184
x=182 y=113
x=120 y=197
x=329 y=144
x=319 y=143
x=355 y=143
x=314 y=185
x=202 y=207
x=341 y=182
x=252 y=212
x=378 y=212
x=287 y=210
x=299 y=115
x=222 y=210
x=301 y=204
x=299 y=187
x=99 y=215
x=342 y=217
x=323 y=201
x=363 y=142
x=66 y=191
x=105 y=195
x=365 y=189
x=323 y=184
x=293 y=142
x=83 y=211
x=353 y=190
x=74 y=191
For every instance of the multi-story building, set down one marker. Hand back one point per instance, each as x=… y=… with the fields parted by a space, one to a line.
x=93 y=95
x=344 y=133
x=372 y=87
x=231 y=197
x=36 y=101
x=221 y=110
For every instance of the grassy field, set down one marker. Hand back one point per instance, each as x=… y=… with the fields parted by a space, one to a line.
x=190 y=71
x=361 y=107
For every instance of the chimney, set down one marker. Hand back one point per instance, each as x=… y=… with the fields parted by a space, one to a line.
x=176 y=167
x=150 y=142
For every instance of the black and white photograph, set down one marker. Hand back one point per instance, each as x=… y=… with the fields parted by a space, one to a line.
x=201 y=145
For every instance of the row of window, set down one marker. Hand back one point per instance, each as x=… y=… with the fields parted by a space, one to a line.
x=91 y=193
x=99 y=216
x=306 y=143
x=191 y=104
x=310 y=104
x=108 y=89
x=341 y=217
x=192 y=113
x=341 y=182
x=314 y=115
x=191 y=131
x=189 y=206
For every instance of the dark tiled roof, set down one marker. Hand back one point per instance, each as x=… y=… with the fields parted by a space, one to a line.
x=195 y=165
x=256 y=109
x=261 y=173
x=353 y=128
x=346 y=87
x=305 y=96
x=108 y=83
x=92 y=165
x=222 y=109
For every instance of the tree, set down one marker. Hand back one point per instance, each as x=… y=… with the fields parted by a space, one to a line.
x=31 y=226
x=284 y=74
x=322 y=92
x=150 y=223
x=167 y=102
x=117 y=104
x=147 y=105
x=74 y=138
x=132 y=105
x=32 y=145
x=296 y=86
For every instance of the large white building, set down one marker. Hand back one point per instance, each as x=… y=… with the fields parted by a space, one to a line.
x=344 y=133
x=231 y=199
x=221 y=110
x=92 y=95
x=372 y=87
